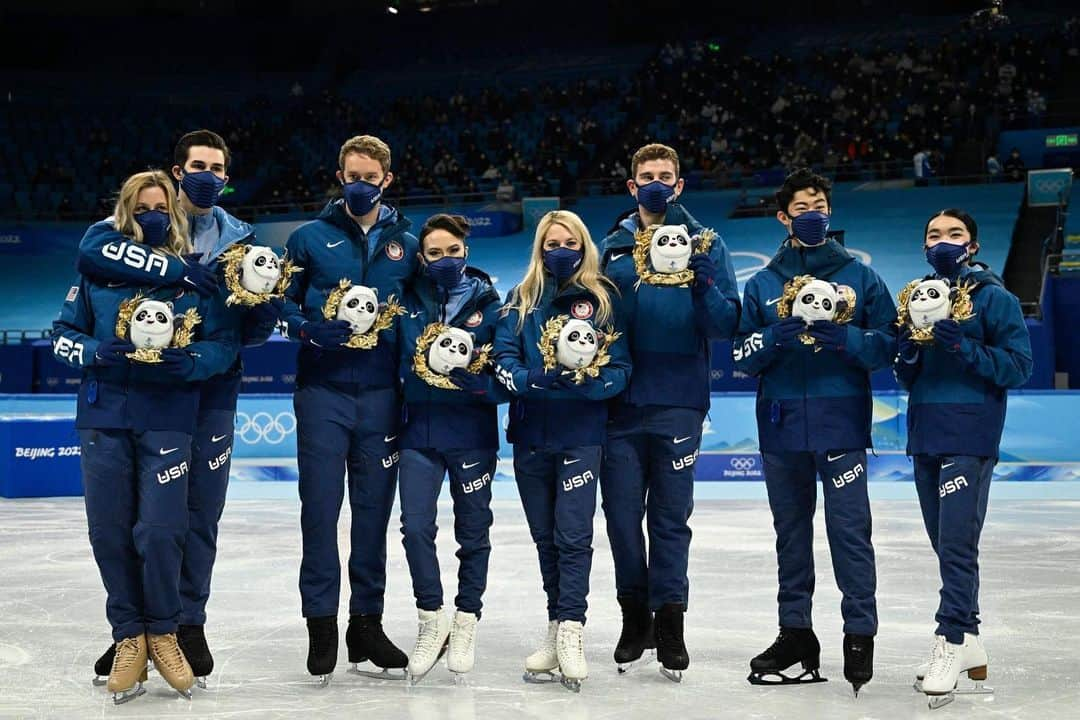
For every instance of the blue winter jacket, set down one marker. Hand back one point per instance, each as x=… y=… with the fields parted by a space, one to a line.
x=556 y=417
x=957 y=400
x=137 y=396
x=448 y=419
x=670 y=335
x=809 y=398
x=331 y=248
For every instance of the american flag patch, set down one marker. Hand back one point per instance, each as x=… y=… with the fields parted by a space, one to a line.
x=73 y=293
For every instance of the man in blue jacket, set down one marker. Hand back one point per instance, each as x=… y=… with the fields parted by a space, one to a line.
x=348 y=409
x=655 y=430
x=814 y=418
x=201 y=164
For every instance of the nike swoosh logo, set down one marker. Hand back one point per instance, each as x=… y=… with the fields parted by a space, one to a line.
x=948 y=465
x=770 y=303
x=217 y=438
x=163 y=451
x=534 y=386
x=115 y=284
x=467 y=466
x=334 y=245
x=679 y=440
x=415 y=314
x=616 y=257
x=390 y=438
x=570 y=462
x=830 y=458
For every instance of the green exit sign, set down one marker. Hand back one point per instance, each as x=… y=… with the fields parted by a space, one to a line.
x=1060 y=141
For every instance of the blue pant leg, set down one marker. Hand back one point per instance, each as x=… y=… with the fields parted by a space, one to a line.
x=163 y=463
x=927 y=469
x=575 y=506
x=534 y=473
x=323 y=429
x=211 y=457
x=791 y=481
x=373 y=469
x=848 y=526
x=964 y=490
x=420 y=480
x=622 y=488
x=471 y=473
x=110 y=491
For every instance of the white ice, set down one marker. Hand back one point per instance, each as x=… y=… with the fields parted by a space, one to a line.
x=52 y=624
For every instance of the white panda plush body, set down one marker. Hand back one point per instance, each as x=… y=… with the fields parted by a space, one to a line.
x=577 y=344
x=670 y=249
x=152 y=325
x=929 y=302
x=816 y=300
x=359 y=307
x=260 y=270
x=453 y=348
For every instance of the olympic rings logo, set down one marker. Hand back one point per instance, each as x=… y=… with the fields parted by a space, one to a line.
x=1050 y=186
x=265 y=427
x=743 y=463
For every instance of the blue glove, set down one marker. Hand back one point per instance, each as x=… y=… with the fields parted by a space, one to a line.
x=477 y=384
x=705 y=272
x=177 y=363
x=949 y=335
x=907 y=349
x=113 y=352
x=541 y=379
x=830 y=335
x=326 y=334
x=265 y=312
x=785 y=333
x=201 y=278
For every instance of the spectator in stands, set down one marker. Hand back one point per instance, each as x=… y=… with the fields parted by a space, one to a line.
x=993 y=167
x=505 y=191
x=921 y=162
x=1014 y=166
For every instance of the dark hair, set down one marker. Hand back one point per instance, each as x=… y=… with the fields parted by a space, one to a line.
x=456 y=225
x=969 y=222
x=802 y=179
x=202 y=138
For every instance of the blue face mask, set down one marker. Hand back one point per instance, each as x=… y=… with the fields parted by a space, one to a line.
x=810 y=228
x=446 y=272
x=655 y=196
x=361 y=196
x=948 y=259
x=155 y=227
x=562 y=262
x=202 y=188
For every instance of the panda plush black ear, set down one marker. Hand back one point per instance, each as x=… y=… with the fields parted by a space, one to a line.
x=953 y=290
x=169 y=304
x=685 y=229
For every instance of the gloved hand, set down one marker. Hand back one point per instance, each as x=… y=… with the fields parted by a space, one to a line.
x=705 y=272
x=201 y=278
x=177 y=363
x=907 y=349
x=949 y=335
x=541 y=379
x=326 y=334
x=830 y=335
x=113 y=352
x=477 y=384
x=785 y=333
x=265 y=312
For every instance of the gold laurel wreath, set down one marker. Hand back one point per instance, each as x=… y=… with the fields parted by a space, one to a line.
x=549 y=339
x=183 y=333
x=642 y=242
x=481 y=359
x=961 y=308
x=792 y=288
x=238 y=295
x=385 y=318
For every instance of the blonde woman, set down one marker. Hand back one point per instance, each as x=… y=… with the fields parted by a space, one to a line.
x=135 y=422
x=557 y=426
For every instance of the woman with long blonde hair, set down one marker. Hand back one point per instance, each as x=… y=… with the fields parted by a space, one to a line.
x=558 y=352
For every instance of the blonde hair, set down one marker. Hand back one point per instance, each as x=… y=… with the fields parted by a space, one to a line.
x=653 y=151
x=587 y=276
x=368 y=145
x=124 y=212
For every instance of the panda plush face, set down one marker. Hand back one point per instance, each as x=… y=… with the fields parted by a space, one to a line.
x=670 y=249
x=816 y=300
x=453 y=348
x=260 y=270
x=577 y=344
x=929 y=302
x=152 y=325
x=359 y=307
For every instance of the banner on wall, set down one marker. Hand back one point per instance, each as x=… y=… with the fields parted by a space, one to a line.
x=1049 y=187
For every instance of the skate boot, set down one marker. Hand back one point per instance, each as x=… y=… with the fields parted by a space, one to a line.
x=192 y=639
x=432 y=639
x=947 y=663
x=792 y=645
x=367 y=641
x=103 y=666
x=570 y=652
x=128 y=671
x=670 y=647
x=170 y=663
x=540 y=666
x=858 y=660
x=637 y=633
x=462 y=644
x=322 y=648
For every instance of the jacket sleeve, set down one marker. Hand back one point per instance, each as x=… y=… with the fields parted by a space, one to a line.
x=874 y=346
x=906 y=372
x=717 y=312
x=218 y=345
x=106 y=255
x=1005 y=358
x=510 y=368
x=292 y=317
x=752 y=352
x=72 y=336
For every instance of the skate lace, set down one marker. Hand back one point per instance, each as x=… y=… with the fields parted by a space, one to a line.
x=940 y=657
x=572 y=642
x=167 y=651
x=464 y=631
x=127 y=650
x=427 y=636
